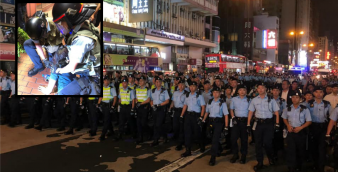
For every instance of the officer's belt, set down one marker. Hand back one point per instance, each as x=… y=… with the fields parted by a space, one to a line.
x=193 y=113
x=143 y=106
x=266 y=120
x=178 y=109
x=319 y=124
x=215 y=119
x=125 y=105
x=4 y=92
x=105 y=104
x=242 y=118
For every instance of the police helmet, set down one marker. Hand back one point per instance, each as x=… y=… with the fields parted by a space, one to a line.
x=36 y=27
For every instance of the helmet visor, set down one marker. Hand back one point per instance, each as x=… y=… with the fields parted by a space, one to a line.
x=62 y=29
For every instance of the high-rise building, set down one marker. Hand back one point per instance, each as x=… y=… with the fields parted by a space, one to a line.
x=323 y=45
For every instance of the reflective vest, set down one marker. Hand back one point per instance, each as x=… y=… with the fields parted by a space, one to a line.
x=106 y=94
x=131 y=87
x=141 y=94
x=125 y=96
x=91 y=98
x=173 y=89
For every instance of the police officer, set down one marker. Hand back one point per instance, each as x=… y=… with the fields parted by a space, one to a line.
x=239 y=114
x=194 y=104
x=84 y=44
x=278 y=143
x=319 y=110
x=264 y=107
x=92 y=115
x=159 y=100
x=216 y=109
x=127 y=104
x=59 y=112
x=45 y=117
x=142 y=101
x=176 y=106
x=296 y=118
x=332 y=123
x=14 y=103
x=174 y=86
x=207 y=94
x=107 y=102
x=33 y=104
x=74 y=119
x=131 y=82
x=5 y=92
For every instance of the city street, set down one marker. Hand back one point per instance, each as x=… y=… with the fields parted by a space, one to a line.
x=52 y=151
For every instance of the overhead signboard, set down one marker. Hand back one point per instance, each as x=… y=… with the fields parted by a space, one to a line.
x=163 y=34
x=270 y=39
x=211 y=59
x=140 y=10
x=317 y=64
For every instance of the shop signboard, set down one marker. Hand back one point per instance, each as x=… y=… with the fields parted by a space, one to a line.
x=138 y=63
x=140 y=10
x=7 y=52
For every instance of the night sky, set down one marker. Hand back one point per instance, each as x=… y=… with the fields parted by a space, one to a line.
x=328 y=13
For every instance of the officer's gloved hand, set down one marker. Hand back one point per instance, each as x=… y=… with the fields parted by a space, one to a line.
x=112 y=109
x=276 y=127
x=199 y=121
x=328 y=139
x=181 y=119
x=234 y=120
x=132 y=112
x=47 y=63
x=81 y=106
x=226 y=131
x=154 y=107
x=36 y=100
x=248 y=129
x=138 y=105
x=65 y=105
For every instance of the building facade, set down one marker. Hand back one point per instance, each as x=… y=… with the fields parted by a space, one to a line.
x=323 y=45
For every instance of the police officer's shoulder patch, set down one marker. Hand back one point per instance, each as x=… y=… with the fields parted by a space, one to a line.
x=153 y=90
x=210 y=101
x=302 y=107
x=326 y=103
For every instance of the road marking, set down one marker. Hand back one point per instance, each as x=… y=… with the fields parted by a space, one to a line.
x=183 y=161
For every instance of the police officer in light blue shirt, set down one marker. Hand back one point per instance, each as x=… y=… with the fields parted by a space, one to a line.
x=264 y=107
x=296 y=118
x=14 y=102
x=194 y=105
x=176 y=107
x=159 y=99
x=216 y=109
x=5 y=92
x=239 y=114
x=207 y=95
x=319 y=110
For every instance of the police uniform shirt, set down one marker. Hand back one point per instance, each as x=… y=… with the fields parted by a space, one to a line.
x=157 y=97
x=5 y=84
x=79 y=47
x=194 y=103
x=215 y=110
x=13 y=87
x=132 y=94
x=318 y=111
x=147 y=96
x=281 y=104
x=240 y=106
x=178 y=98
x=263 y=108
x=207 y=95
x=295 y=117
x=334 y=114
x=112 y=93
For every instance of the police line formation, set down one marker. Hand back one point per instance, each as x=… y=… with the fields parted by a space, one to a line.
x=207 y=109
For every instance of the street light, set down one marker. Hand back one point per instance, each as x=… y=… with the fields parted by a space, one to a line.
x=292 y=33
x=311 y=45
x=304 y=45
x=320 y=50
x=301 y=32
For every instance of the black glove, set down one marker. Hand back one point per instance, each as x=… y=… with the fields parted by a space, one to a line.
x=155 y=107
x=248 y=129
x=181 y=119
x=135 y=115
x=132 y=112
x=328 y=139
x=276 y=127
x=112 y=110
x=65 y=105
x=234 y=121
x=199 y=121
x=226 y=131
x=36 y=101
x=81 y=106
x=138 y=105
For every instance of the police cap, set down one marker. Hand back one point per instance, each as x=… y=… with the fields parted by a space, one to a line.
x=206 y=82
x=216 y=89
x=181 y=82
x=13 y=72
x=142 y=77
x=158 y=78
x=178 y=78
x=262 y=84
x=105 y=77
x=124 y=79
x=293 y=93
x=130 y=76
x=318 y=88
x=193 y=83
x=334 y=85
x=241 y=86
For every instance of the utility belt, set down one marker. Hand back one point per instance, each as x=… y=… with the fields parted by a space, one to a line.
x=105 y=104
x=193 y=113
x=264 y=121
x=178 y=109
x=242 y=119
x=4 y=92
x=319 y=124
x=125 y=106
x=216 y=120
x=145 y=106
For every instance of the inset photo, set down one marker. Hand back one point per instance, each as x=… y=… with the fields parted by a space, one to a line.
x=59 y=48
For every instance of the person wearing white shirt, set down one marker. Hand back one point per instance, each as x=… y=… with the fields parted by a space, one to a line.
x=333 y=97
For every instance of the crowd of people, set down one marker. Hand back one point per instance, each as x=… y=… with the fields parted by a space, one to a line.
x=271 y=109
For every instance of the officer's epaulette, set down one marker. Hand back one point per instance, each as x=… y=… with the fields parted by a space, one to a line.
x=281 y=99
x=176 y=88
x=162 y=90
x=185 y=92
x=326 y=103
x=210 y=101
x=248 y=98
x=311 y=102
x=269 y=98
x=153 y=90
x=129 y=89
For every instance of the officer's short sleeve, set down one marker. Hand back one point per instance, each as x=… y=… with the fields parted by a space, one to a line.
x=148 y=94
x=232 y=105
x=252 y=106
x=113 y=92
x=166 y=95
x=119 y=96
x=307 y=115
x=132 y=94
x=225 y=109
x=201 y=99
x=284 y=115
x=207 y=108
x=334 y=114
x=274 y=104
x=172 y=97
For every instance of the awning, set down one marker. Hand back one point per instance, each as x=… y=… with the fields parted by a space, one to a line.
x=162 y=40
x=199 y=43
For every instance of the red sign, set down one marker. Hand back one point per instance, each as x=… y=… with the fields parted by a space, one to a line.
x=7 y=52
x=271 y=39
x=192 y=61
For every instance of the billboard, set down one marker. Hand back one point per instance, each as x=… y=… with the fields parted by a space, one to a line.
x=140 y=10
x=316 y=64
x=269 y=39
x=113 y=13
x=138 y=63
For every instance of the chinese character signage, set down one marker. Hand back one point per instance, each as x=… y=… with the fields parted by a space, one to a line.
x=139 y=6
x=140 y=10
x=270 y=39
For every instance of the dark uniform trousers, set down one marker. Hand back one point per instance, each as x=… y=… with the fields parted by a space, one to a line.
x=15 y=109
x=264 y=134
x=141 y=121
x=191 y=129
x=278 y=140
x=106 y=118
x=124 y=118
x=5 y=111
x=59 y=111
x=73 y=103
x=178 y=127
x=317 y=143
x=92 y=116
x=295 y=148
x=32 y=106
x=46 y=112
x=159 y=117
x=240 y=131
x=217 y=127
